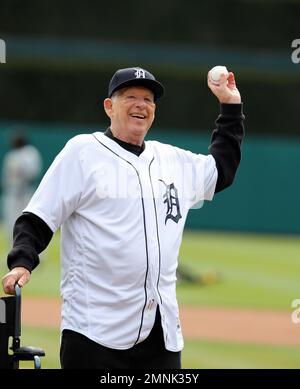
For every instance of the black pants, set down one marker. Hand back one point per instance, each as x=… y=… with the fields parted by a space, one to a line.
x=79 y=352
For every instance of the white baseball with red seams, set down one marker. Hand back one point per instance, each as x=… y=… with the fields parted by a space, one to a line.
x=215 y=73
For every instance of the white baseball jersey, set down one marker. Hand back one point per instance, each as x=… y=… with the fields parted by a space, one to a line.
x=122 y=220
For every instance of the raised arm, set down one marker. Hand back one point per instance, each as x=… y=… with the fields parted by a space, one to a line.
x=227 y=138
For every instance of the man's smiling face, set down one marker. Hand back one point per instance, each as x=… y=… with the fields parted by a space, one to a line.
x=132 y=111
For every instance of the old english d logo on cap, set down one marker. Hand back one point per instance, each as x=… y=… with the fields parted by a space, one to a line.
x=140 y=73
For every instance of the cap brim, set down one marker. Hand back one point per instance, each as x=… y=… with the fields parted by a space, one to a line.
x=155 y=86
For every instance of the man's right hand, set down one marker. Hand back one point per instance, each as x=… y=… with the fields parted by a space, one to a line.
x=18 y=275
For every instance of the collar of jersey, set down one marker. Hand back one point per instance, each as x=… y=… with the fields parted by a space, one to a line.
x=145 y=157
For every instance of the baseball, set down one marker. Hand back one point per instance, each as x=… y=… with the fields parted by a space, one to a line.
x=215 y=73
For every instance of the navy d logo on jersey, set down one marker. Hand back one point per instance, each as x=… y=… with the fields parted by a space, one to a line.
x=171 y=199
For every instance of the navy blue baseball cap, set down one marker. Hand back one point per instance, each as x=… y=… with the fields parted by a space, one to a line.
x=135 y=77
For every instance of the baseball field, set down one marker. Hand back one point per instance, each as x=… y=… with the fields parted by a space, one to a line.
x=239 y=316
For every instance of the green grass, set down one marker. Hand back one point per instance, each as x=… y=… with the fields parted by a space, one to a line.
x=228 y=355
x=257 y=271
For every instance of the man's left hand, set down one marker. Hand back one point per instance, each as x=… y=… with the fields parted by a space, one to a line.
x=226 y=91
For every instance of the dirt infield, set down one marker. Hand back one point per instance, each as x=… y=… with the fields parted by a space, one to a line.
x=240 y=325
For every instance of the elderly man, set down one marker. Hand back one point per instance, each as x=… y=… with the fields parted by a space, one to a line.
x=122 y=203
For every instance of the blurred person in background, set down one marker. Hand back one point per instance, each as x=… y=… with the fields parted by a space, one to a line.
x=21 y=169
x=187 y=274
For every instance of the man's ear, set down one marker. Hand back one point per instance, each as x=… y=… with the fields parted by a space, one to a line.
x=107 y=104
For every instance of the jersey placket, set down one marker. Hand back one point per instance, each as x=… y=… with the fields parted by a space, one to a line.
x=153 y=297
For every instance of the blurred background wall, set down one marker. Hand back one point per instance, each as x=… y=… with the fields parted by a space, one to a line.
x=61 y=55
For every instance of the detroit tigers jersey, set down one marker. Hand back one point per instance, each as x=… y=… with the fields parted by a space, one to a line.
x=122 y=219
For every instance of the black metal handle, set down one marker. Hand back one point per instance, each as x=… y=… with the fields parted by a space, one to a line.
x=18 y=310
